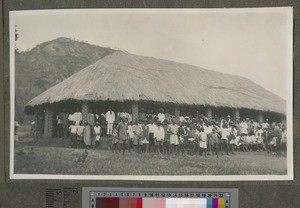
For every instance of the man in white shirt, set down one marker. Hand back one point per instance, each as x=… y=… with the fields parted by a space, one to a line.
x=124 y=115
x=71 y=116
x=77 y=117
x=244 y=127
x=265 y=125
x=161 y=116
x=110 y=119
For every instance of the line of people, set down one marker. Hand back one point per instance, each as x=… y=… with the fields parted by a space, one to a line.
x=167 y=133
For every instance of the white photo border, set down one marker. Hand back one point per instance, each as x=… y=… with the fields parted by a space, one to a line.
x=289 y=101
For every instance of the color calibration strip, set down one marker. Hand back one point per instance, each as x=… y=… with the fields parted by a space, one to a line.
x=126 y=199
x=116 y=202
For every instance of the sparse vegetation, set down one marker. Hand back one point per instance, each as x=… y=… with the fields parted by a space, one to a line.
x=48 y=64
x=64 y=160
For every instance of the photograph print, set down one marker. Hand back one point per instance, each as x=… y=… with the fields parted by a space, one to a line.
x=152 y=94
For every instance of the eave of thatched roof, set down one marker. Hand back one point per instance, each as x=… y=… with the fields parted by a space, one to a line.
x=122 y=76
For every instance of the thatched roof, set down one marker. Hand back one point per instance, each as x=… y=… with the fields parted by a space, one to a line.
x=122 y=76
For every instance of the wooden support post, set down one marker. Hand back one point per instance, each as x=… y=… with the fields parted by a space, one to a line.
x=84 y=111
x=177 y=111
x=135 y=111
x=39 y=123
x=48 y=130
x=209 y=113
x=283 y=119
x=260 y=117
x=236 y=115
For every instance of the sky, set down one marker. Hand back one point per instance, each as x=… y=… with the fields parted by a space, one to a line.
x=253 y=43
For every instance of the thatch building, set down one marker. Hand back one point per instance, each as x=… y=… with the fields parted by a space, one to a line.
x=131 y=80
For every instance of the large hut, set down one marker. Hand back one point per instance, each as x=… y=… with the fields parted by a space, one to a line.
x=133 y=81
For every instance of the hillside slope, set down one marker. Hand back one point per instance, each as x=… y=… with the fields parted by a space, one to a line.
x=48 y=64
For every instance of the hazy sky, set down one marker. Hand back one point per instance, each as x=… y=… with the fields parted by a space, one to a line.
x=255 y=44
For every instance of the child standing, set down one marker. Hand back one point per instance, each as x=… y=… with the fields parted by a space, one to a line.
x=115 y=141
x=97 y=130
x=260 y=140
x=73 y=133
x=232 y=138
x=203 y=141
x=130 y=136
x=191 y=135
x=145 y=142
x=80 y=129
x=283 y=140
x=136 y=129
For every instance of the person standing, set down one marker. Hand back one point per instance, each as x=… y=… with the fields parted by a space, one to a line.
x=191 y=137
x=97 y=116
x=59 y=126
x=244 y=128
x=110 y=119
x=277 y=135
x=215 y=141
x=183 y=136
x=87 y=135
x=168 y=116
x=151 y=130
x=173 y=130
x=142 y=115
x=144 y=140
x=65 y=122
x=265 y=126
x=129 y=116
x=122 y=128
x=115 y=141
x=208 y=130
x=159 y=136
x=203 y=141
x=97 y=130
x=91 y=118
x=137 y=133
x=123 y=113
x=260 y=140
x=255 y=126
x=103 y=125
x=79 y=138
x=283 y=141
x=232 y=137
x=161 y=116
x=130 y=136
x=77 y=116
x=73 y=134
x=224 y=137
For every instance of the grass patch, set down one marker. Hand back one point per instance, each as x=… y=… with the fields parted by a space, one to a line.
x=24 y=131
x=62 y=160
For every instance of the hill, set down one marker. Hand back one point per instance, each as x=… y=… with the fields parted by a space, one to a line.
x=48 y=64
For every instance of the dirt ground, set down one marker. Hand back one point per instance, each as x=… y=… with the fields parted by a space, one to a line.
x=49 y=157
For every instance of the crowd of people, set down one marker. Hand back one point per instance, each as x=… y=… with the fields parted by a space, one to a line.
x=167 y=133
